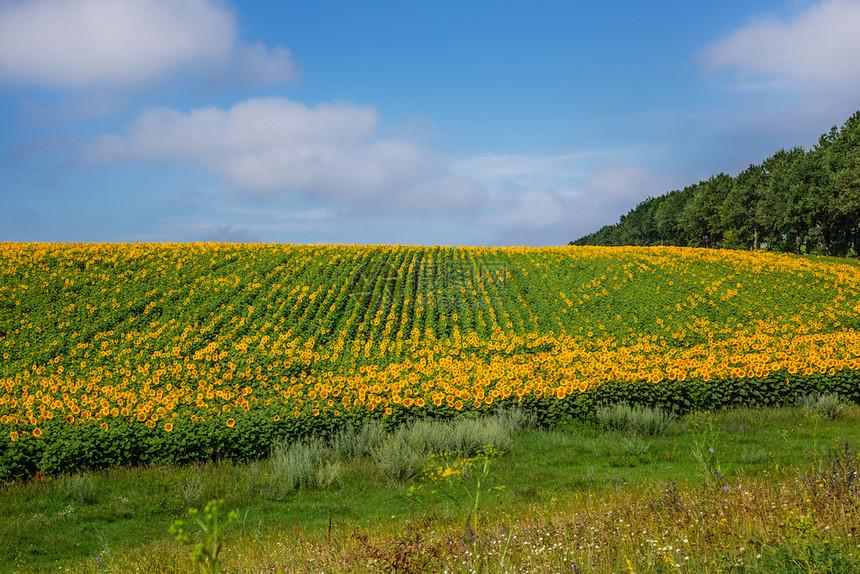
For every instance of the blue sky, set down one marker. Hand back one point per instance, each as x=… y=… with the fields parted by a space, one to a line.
x=451 y=123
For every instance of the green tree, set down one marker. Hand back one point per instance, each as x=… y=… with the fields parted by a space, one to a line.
x=667 y=218
x=839 y=154
x=796 y=200
x=738 y=212
x=780 y=210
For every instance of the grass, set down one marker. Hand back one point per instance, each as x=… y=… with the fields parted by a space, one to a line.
x=744 y=490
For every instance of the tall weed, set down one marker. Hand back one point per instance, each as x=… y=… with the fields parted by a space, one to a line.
x=293 y=466
x=397 y=458
x=81 y=487
x=405 y=451
x=827 y=405
x=350 y=443
x=637 y=419
x=835 y=478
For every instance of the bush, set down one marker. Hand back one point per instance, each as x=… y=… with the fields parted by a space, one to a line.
x=397 y=458
x=640 y=420
x=293 y=466
x=81 y=487
x=406 y=451
x=349 y=443
x=827 y=405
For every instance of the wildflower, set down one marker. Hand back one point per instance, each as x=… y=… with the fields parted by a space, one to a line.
x=230 y=423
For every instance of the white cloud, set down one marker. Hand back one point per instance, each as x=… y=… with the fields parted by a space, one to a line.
x=556 y=215
x=258 y=64
x=818 y=49
x=332 y=145
x=792 y=79
x=624 y=185
x=116 y=44
x=522 y=170
x=575 y=195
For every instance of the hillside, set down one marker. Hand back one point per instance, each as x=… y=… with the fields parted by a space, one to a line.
x=149 y=337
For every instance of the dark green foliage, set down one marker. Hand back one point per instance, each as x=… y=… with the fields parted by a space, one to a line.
x=66 y=448
x=796 y=201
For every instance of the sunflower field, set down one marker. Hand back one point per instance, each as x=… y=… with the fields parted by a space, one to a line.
x=136 y=353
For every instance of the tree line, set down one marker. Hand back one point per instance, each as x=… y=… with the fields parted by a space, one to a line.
x=795 y=201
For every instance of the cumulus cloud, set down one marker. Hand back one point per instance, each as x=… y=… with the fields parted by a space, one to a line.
x=557 y=216
x=121 y=44
x=624 y=185
x=272 y=146
x=577 y=195
x=817 y=49
x=528 y=193
x=609 y=192
x=562 y=209
x=805 y=67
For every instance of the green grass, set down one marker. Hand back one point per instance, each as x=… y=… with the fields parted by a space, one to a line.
x=566 y=490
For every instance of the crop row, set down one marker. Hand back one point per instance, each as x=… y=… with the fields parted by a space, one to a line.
x=164 y=335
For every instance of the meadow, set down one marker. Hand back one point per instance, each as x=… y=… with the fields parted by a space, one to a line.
x=753 y=490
